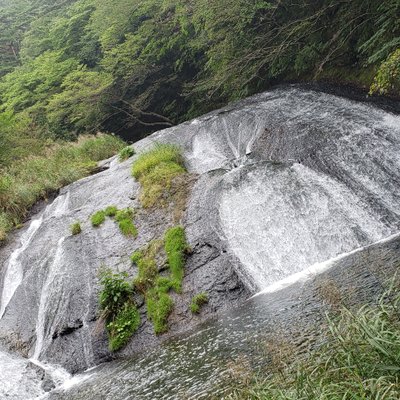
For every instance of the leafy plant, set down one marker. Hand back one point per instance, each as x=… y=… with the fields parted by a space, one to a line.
x=119 y=311
x=198 y=301
x=76 y=228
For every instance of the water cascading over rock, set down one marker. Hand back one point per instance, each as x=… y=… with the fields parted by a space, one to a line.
x=286 y=179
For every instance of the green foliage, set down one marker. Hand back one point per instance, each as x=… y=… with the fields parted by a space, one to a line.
x=125 y=324
x=81 y=65
x=155 y=287
x=25 y=182
x=127 y=227
x=156 y=170
x=198 y=301
x=125 y=153
x=387 y=79
x=359 y=360
x=76 y=228
x=120 y=313
x=98 y=218
x=111 y=211
x=175 y=248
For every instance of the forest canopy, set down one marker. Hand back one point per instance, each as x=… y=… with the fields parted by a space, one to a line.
x=74 y=66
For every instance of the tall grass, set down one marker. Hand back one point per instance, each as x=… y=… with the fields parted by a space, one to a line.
x=26 y=181
x=360 y=360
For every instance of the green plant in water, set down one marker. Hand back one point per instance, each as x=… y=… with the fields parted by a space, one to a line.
x=155 y=170
x=198 y=301
x=125 y=153
x=118 y=309
x=76 y=228
x=98 y=218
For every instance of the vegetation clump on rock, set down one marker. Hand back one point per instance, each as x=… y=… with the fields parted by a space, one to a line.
x=155 y=170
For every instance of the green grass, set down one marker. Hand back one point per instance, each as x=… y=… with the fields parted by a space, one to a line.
x=155 y=170
x=125 y=222
x=111 y=211
x=98 y=218
x=175 y=248
x=76 y=228
x=359 y=360
x=118 y=309
x=28 y=180
x=198 y=301
x=125 y=153
x=154 y=287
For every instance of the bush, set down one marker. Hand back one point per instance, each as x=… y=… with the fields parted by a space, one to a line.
x=197 y=302
x=76 y=228
x=119 y=311
x=155 y=171
x=126 y=323
x=125 y=153
x=98 y=218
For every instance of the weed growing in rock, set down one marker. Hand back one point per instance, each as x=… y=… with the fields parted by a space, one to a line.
x=98 y=218
x=125 y=153
x=118 y=309
x=76 y=228
x=175 y=248
x=111 y=211
x=197 y=302
x=155 y=170
x=125 y=222
x=154 y=287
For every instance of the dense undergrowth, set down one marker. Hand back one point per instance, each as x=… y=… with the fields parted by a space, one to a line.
x=359 y=360
x=24 y=182
x=75 y=66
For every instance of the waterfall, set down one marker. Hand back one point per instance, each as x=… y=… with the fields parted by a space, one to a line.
x=14 y=270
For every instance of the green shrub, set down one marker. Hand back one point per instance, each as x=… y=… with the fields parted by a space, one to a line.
x=126 y=323
x=111 y=211
x=76 y=228
x=125 y=153
x=98 y=218
x=119 y=311
x=155 y=171
x=197 y=302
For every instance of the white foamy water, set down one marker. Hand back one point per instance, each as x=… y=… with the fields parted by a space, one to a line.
x=14 y=269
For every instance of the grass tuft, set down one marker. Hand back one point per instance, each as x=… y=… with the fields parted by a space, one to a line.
x=76 y=228
x=198 y=301
x=125 y=153
x=111 y=211
x=155 y=170
x=98 y=218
